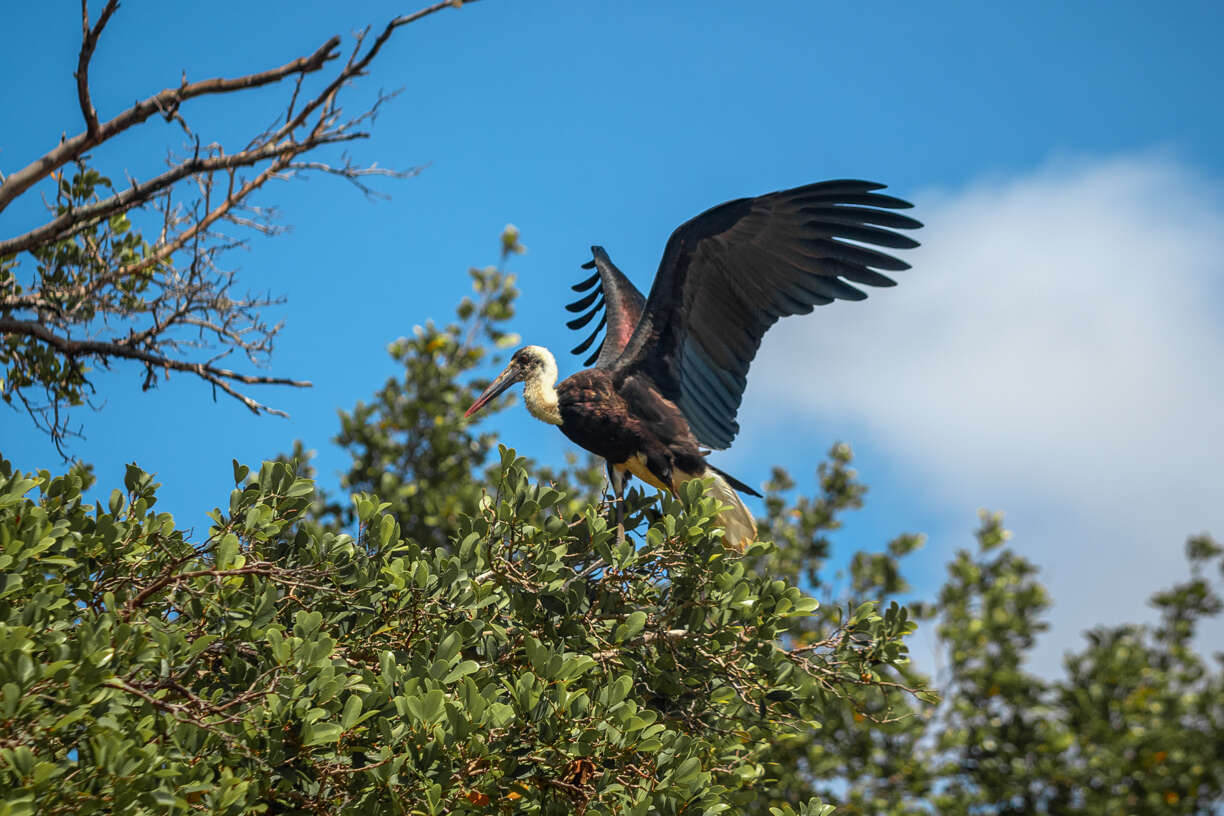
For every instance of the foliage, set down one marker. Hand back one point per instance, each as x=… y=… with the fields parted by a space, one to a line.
x=69 y=268
x=411 y=446
x=467 y=638
x=1136 y=724
x=535 y=660
x=861 y=750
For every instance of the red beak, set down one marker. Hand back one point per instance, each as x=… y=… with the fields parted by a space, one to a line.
x=509 y=376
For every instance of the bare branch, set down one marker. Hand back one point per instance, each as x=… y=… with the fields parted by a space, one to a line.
x=94 y=290
x=220 y=377
x=670 y=635
x=353 y=174
x=66 y=224
x=356 y=67
x=222 y=210
x=170 y=576
x=163 y=102
x=89 y=41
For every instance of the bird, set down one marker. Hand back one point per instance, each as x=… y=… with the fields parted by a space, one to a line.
x=666 y=381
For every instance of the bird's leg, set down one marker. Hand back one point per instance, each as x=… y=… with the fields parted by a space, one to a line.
x=618 y=490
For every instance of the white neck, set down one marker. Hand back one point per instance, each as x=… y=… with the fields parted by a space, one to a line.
x=540 y=393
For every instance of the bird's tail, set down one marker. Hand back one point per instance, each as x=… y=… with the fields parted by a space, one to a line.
x=738 y=522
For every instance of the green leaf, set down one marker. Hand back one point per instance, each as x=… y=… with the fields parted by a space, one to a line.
x=352 y=711
x=300 y=488
x=464 y=668
x=319 y=733
x=618 y=690
x=432 y=706
x=686 y=772
x=631 y=627
x=650 y=745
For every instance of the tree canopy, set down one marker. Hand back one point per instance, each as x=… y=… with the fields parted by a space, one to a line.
x=464 y=635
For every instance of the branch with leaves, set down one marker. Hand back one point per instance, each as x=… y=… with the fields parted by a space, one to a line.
x=86 y=287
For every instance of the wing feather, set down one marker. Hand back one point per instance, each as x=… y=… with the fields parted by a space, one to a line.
x=840 y=214
x=581 y=320
x=619 y=301
x=583 y=285
x=730 y=273
x=586 y=344
x=583 y=302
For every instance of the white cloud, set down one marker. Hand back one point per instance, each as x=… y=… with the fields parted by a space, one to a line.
x=1057 y=352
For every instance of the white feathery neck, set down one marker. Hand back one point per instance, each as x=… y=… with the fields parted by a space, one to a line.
x=539 y=389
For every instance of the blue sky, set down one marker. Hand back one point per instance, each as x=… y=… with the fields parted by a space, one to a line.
x=1052 y=354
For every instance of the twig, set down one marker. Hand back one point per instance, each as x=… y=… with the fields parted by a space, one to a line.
x=76 y=219
x=89 y=41
x=161 y=102
x=214 y=375
x=98 y=292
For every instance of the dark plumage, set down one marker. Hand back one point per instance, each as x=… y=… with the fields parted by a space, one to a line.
x=620 y=417
x=671 y=369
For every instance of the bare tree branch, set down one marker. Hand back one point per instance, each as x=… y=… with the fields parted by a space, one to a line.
x=104 y=350
x=222 y=210
x=86 y=288
x=354 y=174
x=164 y=103
x=89 y=41
x=356 y=67
x=65 y=225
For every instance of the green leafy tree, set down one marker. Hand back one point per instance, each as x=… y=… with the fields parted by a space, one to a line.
x=856 y=755
x=531 y=663
x=466 y=636
x=411 y=446
x=484 y=643
x=1159 y=748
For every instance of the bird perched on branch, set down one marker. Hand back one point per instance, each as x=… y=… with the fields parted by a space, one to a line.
x=670 y=371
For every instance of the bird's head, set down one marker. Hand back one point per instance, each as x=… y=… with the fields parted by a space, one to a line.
x=526 y=365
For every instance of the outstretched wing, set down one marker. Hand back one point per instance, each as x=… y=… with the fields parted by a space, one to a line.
x=730 y=273
x=618 y=299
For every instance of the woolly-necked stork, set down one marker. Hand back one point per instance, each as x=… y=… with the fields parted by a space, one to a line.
x=670 y=372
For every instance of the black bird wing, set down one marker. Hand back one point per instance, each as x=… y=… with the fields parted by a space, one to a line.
x=730 y=273
x=619 y=300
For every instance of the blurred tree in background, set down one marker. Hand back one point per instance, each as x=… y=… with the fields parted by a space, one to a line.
x=409 y=446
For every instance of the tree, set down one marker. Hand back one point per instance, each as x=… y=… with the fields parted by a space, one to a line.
x=1135 y=725
x=530 y=664
x=411 y=446
x=488 y=646
x=88 y=287
x=1128 y=725
x=472 y=639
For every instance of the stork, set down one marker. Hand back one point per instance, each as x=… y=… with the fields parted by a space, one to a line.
x=670 y=372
